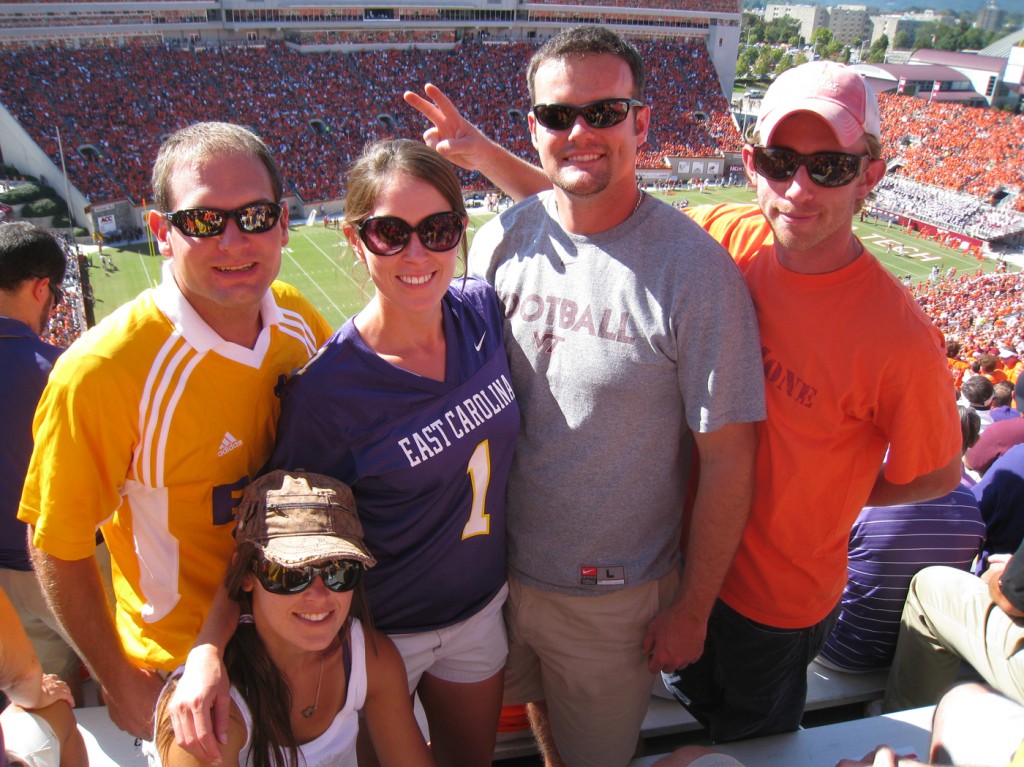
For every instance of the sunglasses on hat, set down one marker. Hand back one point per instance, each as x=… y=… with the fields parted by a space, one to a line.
x=389 y=235
x=254 y=218
x=597 y=114
x=828 y=169
x=338 y=575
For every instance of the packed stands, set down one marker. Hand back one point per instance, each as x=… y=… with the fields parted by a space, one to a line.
x=945 y=208
x=981 y=312
x=972 y=150
x=315 y=110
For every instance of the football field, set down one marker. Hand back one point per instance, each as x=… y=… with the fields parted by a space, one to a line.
x=320 y=263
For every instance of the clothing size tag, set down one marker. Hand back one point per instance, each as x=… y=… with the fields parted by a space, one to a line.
x=604 y=575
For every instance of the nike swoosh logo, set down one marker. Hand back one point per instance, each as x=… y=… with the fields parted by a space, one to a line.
x=479 y=344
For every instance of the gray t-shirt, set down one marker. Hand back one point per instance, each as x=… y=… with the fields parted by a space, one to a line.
x=619 y=344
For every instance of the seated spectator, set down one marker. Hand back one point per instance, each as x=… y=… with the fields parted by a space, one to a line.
x=951 y=617
x=996 y=440
x=39 y=723
x=977 y=393
x=1000 y=495
x=989 y=364
x=306 y=666
x=973 y=725
x=1002 y=402
x=888 y=546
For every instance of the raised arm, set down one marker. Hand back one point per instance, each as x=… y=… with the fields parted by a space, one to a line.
x=462 y=143
x=675 y=638
x=75 y=594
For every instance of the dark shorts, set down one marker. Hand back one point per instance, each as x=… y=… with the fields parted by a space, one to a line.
x=752 y=678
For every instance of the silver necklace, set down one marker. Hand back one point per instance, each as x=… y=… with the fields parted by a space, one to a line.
x=639 y=199
x=308 y=711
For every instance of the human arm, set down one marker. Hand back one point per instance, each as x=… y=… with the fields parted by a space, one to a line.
x=387 y=711
x=993 y=576
x=21 y=676
x=925 y=487
x=675 y=638
x=462 y=143
x=75 y=594
x=200 y=705
x=172 y=754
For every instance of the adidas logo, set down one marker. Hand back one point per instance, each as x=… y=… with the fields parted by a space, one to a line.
x=228 y=444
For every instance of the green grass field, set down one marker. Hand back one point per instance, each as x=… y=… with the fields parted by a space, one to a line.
x=319 y=263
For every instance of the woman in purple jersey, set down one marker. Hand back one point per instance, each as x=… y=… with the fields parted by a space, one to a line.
x=410 y=404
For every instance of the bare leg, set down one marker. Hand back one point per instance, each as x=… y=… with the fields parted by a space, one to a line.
x=463 y=719
x=538 y=713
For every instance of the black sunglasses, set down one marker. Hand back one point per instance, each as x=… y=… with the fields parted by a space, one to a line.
x=389 y=235
x=597 y=114
x=830 y=169
x=338 y=575
x=56 y=292
x=254 y=218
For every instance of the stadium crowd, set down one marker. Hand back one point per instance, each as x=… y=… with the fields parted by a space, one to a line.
x=316 y=110
x=966 y=149
x=944 y=208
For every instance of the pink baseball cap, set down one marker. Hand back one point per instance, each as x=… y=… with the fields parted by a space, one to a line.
x=834 y=92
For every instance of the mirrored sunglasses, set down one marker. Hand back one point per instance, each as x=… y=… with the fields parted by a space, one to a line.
x=338 y=575
x=389 y=235
x=597 y=114
x=829 y=169
x=254 y=218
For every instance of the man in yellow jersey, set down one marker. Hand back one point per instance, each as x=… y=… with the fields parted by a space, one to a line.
x=154 y=422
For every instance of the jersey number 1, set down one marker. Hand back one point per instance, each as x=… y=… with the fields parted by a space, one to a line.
x=479 y=472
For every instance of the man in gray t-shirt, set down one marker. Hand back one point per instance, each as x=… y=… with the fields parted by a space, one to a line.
x=631 y=339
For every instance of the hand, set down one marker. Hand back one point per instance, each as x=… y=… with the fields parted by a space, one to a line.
x=53 y=689
x=452 y=135
x=674 y=639
x=132 y=701
x=203 y=689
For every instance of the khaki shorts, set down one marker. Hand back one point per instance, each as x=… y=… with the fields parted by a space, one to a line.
x=583 y=655
x=54 y=653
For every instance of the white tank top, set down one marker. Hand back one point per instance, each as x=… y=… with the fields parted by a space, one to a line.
x=336 y=747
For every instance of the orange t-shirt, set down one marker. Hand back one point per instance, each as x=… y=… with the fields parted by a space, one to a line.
x=852 y=367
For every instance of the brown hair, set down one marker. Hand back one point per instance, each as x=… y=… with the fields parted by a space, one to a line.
x=261 y=683
x=382 y=160
x=201 y=141
x=587 y=41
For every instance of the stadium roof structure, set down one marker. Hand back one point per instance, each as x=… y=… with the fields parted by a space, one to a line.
x=918 y=80
x=1001 y=47
x=959 y=59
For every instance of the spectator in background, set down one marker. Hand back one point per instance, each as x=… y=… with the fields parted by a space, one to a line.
x=989 y=365
x=888 y=546
x=1000 y=494
x=951 y=617
x=996 y=440
x=1002 y=402
x=38 y=729
x=32 y=266
x=957 y=366
x=977 y=393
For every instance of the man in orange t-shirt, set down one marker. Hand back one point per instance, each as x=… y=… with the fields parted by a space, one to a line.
x=843 y=429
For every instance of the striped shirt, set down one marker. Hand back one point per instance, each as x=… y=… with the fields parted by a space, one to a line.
x=888 y=546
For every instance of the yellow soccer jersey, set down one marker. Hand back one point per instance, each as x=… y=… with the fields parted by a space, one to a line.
x=152 y=426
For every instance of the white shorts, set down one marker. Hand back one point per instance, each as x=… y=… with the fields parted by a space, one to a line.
x=29 y=739
x=470 y=651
